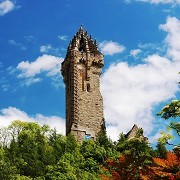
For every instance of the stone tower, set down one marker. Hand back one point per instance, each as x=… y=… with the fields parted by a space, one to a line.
x=81 y=70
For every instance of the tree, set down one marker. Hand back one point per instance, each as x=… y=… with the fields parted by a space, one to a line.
x=58 y=143
x=75 y=165
x=134 y=160
x=124 y=168
x=105 y=142
x=171 y=110
x=161 y=150
x=71 y=143
x=90 y=149
x=7 y=170
x=29 y=149
x=168 y=168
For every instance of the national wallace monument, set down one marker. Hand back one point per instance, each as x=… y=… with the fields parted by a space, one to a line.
x=81 y=70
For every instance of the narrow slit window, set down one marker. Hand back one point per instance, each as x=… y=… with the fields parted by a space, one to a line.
x=88 y=87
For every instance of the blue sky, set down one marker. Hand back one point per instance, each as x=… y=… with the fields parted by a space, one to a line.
x=140 y=40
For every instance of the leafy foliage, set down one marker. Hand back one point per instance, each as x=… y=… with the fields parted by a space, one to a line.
x=161 y=150
x=134 y=160
x=168 y=168
x=29 y=151
x=171 y=110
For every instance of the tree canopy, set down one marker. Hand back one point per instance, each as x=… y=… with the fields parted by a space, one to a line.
x=30 y=151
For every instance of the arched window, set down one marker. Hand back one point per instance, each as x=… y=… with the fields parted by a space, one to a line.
x=88 y=88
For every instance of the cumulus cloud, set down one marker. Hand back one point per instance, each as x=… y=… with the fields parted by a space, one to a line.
x=173 y=2
x=111 y=48
x=12 y=113
x=47 y=64
x=135 y=52
x=131 y=91
x=63 y=37
x=172 y=27
x=6 y=6
x=49 y=49
x=45 y=48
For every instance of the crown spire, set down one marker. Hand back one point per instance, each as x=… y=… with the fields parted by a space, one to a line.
x=83 y=42
x=81 y=27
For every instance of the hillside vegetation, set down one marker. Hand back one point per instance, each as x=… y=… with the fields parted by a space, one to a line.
x=29 y=151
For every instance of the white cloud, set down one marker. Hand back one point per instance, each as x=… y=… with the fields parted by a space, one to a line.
x=29 y=38
x=131 y=92
x=10 y=114
x=151 y=47
x=14 y=43
x=11 y=70
x=30 y=81
x=46 y=64
x=45 y=48
x=6 y=6
x=156 y=136
x=49 y=49
x=135 y=52
x=110 y=47
x=51 y=65
x=172 y=27
x=173 y=2
x=5 y=87
x=63 y=37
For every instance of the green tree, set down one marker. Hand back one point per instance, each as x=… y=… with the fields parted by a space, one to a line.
x=161 y=150
x=74 y=166
x=170 y=111
x=29 y=149
x=58 y=143
x=90 y=149
x=105 y=142
x=71 y=143
x=135 y=156
x=7 y=170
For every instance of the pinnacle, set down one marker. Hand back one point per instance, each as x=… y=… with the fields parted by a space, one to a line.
x=81 y=27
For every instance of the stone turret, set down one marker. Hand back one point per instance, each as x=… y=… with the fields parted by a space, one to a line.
x=81 y=70
x=136 y=132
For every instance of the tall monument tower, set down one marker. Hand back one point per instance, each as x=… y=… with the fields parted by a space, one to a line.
x=81 y=70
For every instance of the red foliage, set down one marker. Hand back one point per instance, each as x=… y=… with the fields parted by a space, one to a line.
x=125 y=168
x=169 y=167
